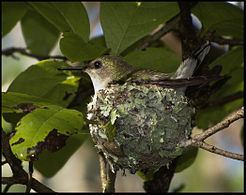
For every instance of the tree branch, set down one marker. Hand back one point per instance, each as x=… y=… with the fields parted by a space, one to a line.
x=162 y=178
x=19 y=175
x=221 y=152
x=6 y=189
x=107 y=176
x=187 y=30
x=35 y=185
x=10 y=52
x=169 y=26
x=221 y=125
x=198 y=140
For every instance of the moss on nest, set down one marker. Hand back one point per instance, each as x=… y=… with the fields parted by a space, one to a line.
x=139 y=126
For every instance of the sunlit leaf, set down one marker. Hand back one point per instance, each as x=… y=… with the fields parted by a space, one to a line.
x=48 y=128
x=44 y=80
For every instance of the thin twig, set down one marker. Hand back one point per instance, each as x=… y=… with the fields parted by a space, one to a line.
x=221 y=125
x=19 y=174
x=36 y=185
x=6 y=189
x=198 y=140
x=169 y=26
x=187 y=30
x=219 y=151
x=30 y=172
x=107 y=176
x=10 y=52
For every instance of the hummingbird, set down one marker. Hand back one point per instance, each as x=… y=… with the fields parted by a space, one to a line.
x=138 y=117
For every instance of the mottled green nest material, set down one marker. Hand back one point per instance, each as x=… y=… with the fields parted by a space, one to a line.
x=139 y=126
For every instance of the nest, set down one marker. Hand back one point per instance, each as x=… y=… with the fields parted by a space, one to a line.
x=139 y=126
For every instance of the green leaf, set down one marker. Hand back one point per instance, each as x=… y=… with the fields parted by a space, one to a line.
x=45 y=128
x=16 y=105
x=12 y=12
x=226 y=19
x=44 y=80
x=75 y=49
x=48 y=11
x=232 y=63
x=58 y=159
x=6 y=127
x=66 y=17
x=210 y=116
x=13 y=102
x=40 y=36
x=186 y=159
x=125 y=23
x=76 y=16
x=159 y=59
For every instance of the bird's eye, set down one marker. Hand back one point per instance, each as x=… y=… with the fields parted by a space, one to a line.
x=97 y=64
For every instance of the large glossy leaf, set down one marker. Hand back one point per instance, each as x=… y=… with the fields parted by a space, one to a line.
x=67 y=17
x=232 y=63
x=160 y=59
x=40 y=36
x=76 y=16
x=75 y=49
x=226 y=19
x=58 y=159
x=12 y=12
x=125 y=23
x=47 y=10
x=44 y=80
x=47 y=127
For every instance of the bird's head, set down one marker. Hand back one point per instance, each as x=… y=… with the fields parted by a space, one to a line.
x=106 y=69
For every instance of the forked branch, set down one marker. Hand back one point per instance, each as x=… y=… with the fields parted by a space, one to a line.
x=198 y=140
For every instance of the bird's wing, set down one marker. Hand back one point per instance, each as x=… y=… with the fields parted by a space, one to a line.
x=151 y=77
x=148 y=75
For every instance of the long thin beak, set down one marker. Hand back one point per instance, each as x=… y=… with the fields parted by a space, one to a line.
x=77 y=68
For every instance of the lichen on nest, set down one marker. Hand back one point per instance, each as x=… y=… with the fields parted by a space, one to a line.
x=139 y=126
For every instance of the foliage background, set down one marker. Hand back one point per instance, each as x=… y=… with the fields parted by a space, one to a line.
x=209 y=172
